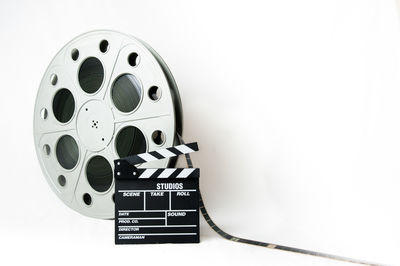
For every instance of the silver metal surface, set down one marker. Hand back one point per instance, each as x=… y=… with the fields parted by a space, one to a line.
x=104 y=95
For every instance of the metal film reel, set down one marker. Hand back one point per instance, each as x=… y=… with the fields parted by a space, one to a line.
x=104 y=96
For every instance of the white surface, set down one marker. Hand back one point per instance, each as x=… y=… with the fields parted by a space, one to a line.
x=295 y=105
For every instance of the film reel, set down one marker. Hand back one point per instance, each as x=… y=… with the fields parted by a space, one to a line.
x=104 y=96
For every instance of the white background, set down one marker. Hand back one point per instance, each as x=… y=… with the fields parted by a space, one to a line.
x=295 y=105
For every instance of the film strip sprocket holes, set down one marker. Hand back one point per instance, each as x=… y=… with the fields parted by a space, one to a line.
x=156 y=205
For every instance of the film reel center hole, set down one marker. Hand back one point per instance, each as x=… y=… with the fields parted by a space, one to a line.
x=99 y=173
x=63 y=105
x=158 y=137
x=130 y=141
x=95 y=124
x=75 y=54
x=91 y=75
x=126 y=93
x=67 y=152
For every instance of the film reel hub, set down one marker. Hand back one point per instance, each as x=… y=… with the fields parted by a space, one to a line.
x=95 y=125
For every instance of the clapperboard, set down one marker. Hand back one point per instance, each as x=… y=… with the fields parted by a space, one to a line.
x=156 y=205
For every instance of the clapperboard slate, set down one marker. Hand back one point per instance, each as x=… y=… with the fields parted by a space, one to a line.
x=156 y=205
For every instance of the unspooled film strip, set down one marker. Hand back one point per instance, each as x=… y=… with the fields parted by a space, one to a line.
x=227 y=236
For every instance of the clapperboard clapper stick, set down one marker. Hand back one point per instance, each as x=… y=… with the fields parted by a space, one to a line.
x=156 y=205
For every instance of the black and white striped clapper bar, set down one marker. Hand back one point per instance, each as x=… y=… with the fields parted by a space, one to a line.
x=158 y=205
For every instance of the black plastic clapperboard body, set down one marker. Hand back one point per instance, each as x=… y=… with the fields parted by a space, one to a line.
x=156 y=205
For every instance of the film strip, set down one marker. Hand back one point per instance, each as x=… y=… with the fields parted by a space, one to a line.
x=227 y=236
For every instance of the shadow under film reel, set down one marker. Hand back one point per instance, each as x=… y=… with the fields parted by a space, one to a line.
x=104 y=96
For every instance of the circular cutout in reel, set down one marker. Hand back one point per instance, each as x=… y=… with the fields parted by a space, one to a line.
x=104 y=95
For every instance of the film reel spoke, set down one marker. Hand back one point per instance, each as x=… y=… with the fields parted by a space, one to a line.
x=125 y=120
